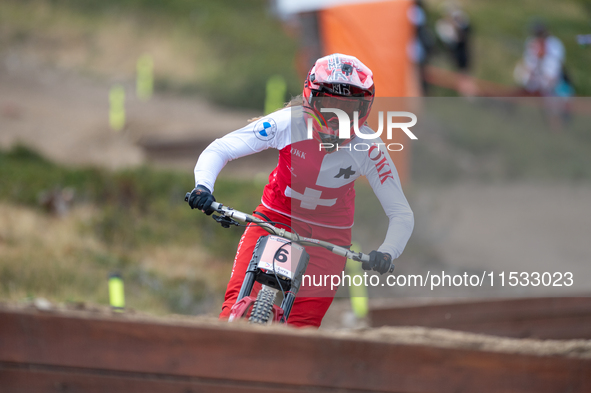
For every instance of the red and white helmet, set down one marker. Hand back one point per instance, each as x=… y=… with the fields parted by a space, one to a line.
x=338 y=81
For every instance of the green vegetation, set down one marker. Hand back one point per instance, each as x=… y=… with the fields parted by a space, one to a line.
x=173 y=259
x=225 y=50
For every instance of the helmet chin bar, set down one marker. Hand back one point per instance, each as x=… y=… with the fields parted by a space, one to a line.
x=333 y=137
x=335 y=141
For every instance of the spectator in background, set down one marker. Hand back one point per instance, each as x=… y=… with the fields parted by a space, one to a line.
x=422 y=46
x=541 y=71
x=454 y=30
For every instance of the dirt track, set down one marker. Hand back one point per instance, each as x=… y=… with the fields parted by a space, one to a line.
x=65 y=116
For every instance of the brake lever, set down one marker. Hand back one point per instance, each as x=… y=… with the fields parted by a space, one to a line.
x=356 y=257
x=224 y=221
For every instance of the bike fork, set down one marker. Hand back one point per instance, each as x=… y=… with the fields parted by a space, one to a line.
x=286 y=305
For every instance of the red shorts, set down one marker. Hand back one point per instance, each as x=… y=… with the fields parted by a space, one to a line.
x=311 y=302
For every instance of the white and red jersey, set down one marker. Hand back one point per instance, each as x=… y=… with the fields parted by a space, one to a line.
x=310 y=184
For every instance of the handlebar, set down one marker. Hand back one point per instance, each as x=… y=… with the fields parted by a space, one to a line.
x=233 y=214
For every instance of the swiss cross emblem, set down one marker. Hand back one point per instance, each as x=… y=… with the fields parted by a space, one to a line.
x=310 y=199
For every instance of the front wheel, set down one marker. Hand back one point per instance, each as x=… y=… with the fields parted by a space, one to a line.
x=262 y=309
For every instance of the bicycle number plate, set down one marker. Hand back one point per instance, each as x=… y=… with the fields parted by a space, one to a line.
x=285 y=255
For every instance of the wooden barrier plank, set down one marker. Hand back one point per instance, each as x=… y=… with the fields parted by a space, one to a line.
x=17 y=380
x=496 y=308
x=546 y=318
x=563 y=328
x=265 y=356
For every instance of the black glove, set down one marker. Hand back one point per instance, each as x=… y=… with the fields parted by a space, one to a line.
x=201 y=199
x=378 y=261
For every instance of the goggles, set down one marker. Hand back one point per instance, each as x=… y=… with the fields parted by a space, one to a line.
x=349 y=105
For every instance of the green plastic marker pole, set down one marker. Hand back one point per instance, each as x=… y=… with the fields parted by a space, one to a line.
x=144 y=85
x=117 y=108
x=116 y=292
x=276 y=89
x=358 y=293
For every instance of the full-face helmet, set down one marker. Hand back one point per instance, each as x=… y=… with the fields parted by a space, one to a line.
x=342 y=82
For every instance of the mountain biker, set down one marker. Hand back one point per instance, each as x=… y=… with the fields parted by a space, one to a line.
x=311 y=189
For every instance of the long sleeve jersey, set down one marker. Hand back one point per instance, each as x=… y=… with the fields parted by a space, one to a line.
x=310 y=184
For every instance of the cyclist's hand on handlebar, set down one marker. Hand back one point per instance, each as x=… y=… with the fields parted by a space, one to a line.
x=378 y=261
x=201 y=198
